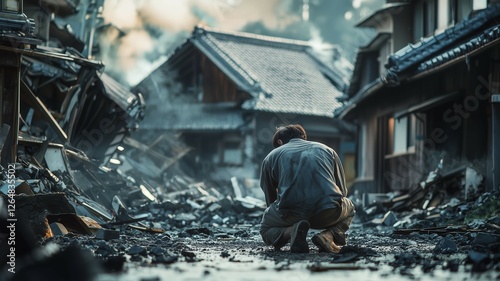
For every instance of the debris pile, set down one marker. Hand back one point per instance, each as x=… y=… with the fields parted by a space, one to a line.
x=69 y=167
x=448 y=209
x=67 y=198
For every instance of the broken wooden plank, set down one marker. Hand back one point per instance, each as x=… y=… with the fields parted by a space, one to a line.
x=323 y=268
x=441 y=230
x=29 y=97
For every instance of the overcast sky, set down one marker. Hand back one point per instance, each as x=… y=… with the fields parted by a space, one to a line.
x=152 y=28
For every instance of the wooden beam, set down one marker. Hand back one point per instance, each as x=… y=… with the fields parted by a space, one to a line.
x=29 y=97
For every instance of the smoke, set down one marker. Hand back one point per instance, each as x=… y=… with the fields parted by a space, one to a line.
x=142 y=33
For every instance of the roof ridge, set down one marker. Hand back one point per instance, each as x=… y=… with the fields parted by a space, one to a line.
x=305 y=46
x=252 y=36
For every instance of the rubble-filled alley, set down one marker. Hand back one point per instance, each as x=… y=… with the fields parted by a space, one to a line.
x=101 y=180
x=201 y=234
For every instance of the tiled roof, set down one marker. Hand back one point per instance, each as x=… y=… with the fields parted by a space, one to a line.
x=409 y=58
x=202 y=116
x=455 y=43
x=282 y=75
x=489 y=36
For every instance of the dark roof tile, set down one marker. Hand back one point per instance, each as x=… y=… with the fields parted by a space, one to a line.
x=283 y=75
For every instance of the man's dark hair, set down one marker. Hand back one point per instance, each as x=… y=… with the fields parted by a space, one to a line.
x=288 y=132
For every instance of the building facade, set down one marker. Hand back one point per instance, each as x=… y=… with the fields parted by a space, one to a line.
x=226 y=92
x=422 y=93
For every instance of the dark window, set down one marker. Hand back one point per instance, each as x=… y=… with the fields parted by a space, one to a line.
x=429 y=17
x=460 y=9
x=425 y=19
x=452 y=11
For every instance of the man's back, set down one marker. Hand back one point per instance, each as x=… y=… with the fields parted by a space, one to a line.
x=308 y=175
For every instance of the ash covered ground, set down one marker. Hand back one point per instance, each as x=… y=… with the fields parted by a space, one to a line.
x=190 y=230
x=190 y=239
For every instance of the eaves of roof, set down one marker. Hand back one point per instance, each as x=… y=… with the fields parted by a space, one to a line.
x=204 y=38
x=206 y=117
x=423 y=64
x=488 y=38
x=413 y=55
x=222 y=49
x=344 y=111
x=376 y=42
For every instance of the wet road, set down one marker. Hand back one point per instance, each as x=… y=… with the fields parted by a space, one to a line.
x=384 y=257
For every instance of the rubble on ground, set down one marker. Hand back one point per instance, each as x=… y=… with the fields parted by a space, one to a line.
x=184 y=220
x=74 y=172
x=451 y=211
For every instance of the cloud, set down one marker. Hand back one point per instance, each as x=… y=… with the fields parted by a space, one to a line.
x=152 y=28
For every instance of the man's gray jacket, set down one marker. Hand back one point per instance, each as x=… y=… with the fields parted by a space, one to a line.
x=304 y=177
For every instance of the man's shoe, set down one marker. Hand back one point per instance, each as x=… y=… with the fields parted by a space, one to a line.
x=298 y=242
x=280 y=244
x=324 y=241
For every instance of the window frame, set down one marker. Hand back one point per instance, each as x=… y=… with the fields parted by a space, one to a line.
x=231 y=143
x=409 y=134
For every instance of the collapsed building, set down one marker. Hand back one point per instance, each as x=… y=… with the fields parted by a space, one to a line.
x=63 y=119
